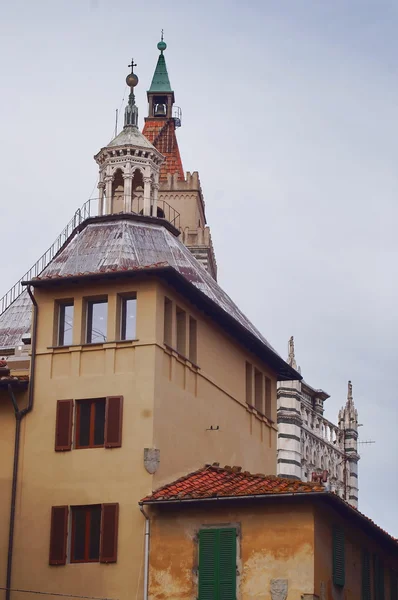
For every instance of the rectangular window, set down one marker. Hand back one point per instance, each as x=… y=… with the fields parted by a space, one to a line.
x=217 y=564
x=98 y=423
x=65 y=324
x=192 y=340
x=128 y=318
x=86 y=525
x=338 y=556
x=268 y=398
x=90 y=423
x=97 y=321
x=94 y=533
x=181 y=331
x=366 y=586
x=258 y=391
x=168 y=321
x=249 y=384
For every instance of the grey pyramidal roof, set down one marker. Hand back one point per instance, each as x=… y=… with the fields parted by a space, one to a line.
x=15 y=322
x=125 y=244
x=131 y=136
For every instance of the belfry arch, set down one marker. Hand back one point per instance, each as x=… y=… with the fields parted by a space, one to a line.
x=118 y=192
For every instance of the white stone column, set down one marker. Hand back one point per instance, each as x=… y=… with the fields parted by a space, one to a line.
x=128 y=181
x=101 y=192
x=108 y=194
x=155 y=187
x=147 y=195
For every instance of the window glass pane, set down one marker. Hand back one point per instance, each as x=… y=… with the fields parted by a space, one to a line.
x=79 y=531
x=84 y=423
x=129 y=311
x=97 y=318
x=95 y=526
x=99 y=422
x=65 y=324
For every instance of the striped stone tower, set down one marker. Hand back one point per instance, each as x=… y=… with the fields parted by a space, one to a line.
x=289 y=424
x=348 y=425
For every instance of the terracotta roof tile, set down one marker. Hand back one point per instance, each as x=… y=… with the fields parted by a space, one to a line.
x=162 y=135
x=213 y=481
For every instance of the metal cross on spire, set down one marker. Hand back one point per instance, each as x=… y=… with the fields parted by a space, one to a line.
x=133 y=64
x=161 y=35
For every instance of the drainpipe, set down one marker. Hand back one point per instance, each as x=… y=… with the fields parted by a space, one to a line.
x=146 y=553
x=19 y=415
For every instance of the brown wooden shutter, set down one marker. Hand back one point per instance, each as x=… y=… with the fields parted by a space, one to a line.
x=63 y=425
x=113 y=422
x=109 y=530
x=58 y=535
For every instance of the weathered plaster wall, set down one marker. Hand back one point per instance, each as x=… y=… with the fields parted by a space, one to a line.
x=356 y=539
x=275 y=542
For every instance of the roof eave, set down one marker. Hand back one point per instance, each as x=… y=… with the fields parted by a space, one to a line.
x=283 y=371
x=268 y=496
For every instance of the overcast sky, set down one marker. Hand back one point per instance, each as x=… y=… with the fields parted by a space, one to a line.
x=290 y=117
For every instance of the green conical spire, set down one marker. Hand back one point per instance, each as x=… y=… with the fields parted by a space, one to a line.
x=161 y=81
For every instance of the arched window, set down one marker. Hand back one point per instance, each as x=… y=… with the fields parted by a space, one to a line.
x=118 y=192
x=137 y=189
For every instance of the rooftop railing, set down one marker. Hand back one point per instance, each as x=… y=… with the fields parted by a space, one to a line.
x=89 y=209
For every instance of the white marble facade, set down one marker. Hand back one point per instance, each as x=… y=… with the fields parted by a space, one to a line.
x=309 y=445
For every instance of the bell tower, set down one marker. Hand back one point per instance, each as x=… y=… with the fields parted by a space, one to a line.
x=129 y=166
x=181 y=191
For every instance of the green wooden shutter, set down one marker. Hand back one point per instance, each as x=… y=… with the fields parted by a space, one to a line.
x=217 y=564
x=378 y=578
x=393 y=585
x=207 y=564
x=375 y=576
x=381 y=581
x=338 y=556
x=227 y=564
x=366 y=588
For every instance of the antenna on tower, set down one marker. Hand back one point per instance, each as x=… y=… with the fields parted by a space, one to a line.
x=117 y=114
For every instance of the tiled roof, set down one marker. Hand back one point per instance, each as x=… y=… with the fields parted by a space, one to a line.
x=161 y=133
x=124 y=243
x=7 y=379
x=213 y=481
x=15 y=321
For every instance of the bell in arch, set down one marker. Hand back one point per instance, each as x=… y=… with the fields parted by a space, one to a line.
x=160 y=110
